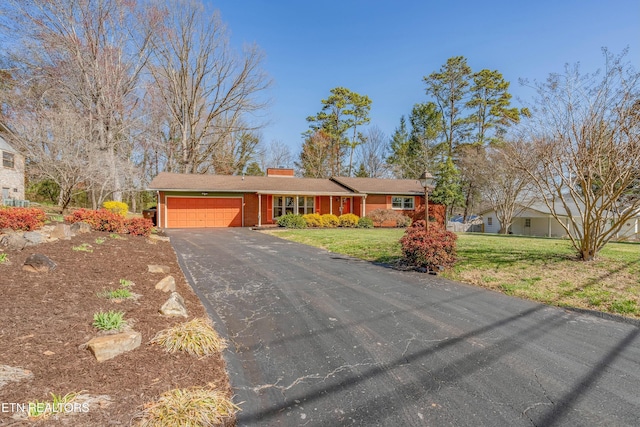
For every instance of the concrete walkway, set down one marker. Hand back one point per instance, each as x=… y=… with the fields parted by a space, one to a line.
x=319 y=339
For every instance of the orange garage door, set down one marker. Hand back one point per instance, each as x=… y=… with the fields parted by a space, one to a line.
x=187 y=212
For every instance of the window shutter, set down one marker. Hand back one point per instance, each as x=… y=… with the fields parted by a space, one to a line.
x=388 y=202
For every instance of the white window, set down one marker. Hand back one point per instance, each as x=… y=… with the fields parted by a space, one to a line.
x=283 y=205
x=7 y=160
x=404 y=203
x=490 y=221
x=305 y=205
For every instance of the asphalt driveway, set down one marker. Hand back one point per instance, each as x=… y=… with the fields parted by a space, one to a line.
x=319 y=339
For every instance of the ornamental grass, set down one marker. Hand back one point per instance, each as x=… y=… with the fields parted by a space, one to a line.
x=196 y=337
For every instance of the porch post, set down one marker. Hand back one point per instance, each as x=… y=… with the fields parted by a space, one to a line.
x=549 y=225
x=330 y=204
x=259 y=210
x=364 y=205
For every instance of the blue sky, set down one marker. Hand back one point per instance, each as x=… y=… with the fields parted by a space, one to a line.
x=383 y=49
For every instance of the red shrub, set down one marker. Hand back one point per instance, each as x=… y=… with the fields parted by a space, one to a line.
x=25 y=219
x=389 y=218
x=139 y=226
x=437 y=214
x=430 y=249
x=100 y=220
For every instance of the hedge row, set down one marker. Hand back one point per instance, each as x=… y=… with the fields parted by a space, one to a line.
x=112 y=222
x=24 y=219
x=323 y=221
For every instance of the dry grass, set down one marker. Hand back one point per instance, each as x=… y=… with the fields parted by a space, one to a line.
x=196 y=406
x=196 y=337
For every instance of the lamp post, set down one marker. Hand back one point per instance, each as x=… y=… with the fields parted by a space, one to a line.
x=427 y=181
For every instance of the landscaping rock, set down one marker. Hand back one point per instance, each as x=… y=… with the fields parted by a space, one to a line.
x=13 y=241
x=38 y=263
x=109 y=346
x=159 y=269
x=62 y=231
x=174 y=306
x=168 y=284
x=33 y=238
x=80 y=228
x=155 y=237
x=13 y=374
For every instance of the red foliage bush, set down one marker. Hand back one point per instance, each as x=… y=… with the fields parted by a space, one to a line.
x=389 y=218
x=139 y=226
x=25 y=219
x=105 y=220
x=429 y=248
x=437 y=214
x=100 y=220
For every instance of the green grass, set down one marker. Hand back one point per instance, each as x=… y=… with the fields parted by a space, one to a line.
x=540 y=269
x=3 y=258
x=85 y=247
x=44 y=409
x=378 y=245
x=109 y=320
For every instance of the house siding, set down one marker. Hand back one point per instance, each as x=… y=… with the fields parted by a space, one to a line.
x=12 y=179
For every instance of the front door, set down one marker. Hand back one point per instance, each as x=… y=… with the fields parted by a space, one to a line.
x=345 y=205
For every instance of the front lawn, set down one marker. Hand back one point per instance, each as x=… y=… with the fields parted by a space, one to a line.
x=539 y=269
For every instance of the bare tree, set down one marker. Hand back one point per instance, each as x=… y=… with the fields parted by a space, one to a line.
x=372 y=153
x=209 y=89
x=503 y=182
x=585 y=141
x=276 y=155
x=92 y=54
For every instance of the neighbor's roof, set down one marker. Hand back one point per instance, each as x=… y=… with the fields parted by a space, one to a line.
x=381 y=186
x=4 y=146
x=247 y=184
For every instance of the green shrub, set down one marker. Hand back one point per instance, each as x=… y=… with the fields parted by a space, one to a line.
x=348 y=220
x=432 y=248
x=365 y=222
x=313 y=220
x=292 y=221
x=24 y=219
x=120 y=208
x=330 y=221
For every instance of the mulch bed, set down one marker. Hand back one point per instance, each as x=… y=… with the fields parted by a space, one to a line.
x=45 y=318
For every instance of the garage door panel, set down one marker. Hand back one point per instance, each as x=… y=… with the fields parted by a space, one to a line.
x=191 y=212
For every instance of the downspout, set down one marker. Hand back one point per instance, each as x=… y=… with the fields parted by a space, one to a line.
x=549 y=226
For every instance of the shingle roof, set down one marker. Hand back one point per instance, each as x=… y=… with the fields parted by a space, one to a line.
x=4 y=146
x=381 y=186
x=246 y=184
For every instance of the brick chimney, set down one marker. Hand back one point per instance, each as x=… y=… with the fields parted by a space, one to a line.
x=280 y=172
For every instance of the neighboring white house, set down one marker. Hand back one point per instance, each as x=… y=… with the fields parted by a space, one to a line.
x=11 y=173
x=535 y=219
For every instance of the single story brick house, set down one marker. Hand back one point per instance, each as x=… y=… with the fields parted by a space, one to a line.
x=11 y=173
x=189 y=201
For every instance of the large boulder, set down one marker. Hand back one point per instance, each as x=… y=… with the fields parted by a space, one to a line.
x=168 y=284
x=38 y=263
x=62 y=232
x=33 y=238
x=80 y=228
x=109 y=346
x=158 y=268
x=13 y=241
x=174 y=306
